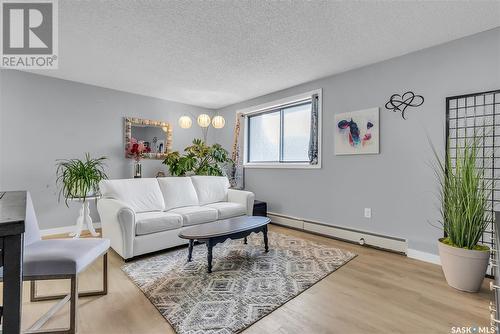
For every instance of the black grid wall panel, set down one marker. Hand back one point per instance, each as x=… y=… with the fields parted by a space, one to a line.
x=478 y=113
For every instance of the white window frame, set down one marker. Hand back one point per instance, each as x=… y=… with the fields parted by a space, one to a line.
x=272 y=105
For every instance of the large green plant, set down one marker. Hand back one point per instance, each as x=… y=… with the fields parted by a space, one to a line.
x=79 y=178
x=463 y=195
x=199 y=159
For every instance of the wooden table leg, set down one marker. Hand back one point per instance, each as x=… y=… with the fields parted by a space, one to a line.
x=209 y=254
x=12 y=283
x=190 y=255
x=264 y=230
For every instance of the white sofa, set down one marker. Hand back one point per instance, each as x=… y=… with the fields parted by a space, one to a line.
x=140 y=216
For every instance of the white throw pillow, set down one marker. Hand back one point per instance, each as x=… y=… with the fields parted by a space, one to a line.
x=140 y=194
x=211 y=189
x=177 y=192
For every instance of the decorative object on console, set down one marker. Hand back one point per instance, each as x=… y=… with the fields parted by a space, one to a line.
x=79 y=181
x=136 y=150
x=199 y=159
x=401 y=102
x=145 y=130
x=246 y=283
x=357 y=132
x=464 y=191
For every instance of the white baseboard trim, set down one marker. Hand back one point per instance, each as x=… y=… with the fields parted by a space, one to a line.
x=390 y=243
x=423 y=256
x=64 y=230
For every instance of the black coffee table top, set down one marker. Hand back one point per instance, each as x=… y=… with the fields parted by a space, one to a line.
x=223 y=227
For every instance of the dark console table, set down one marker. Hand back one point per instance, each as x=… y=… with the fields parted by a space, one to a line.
x=12 y=216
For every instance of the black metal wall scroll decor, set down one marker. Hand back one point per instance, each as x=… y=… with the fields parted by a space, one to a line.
x=401 y=102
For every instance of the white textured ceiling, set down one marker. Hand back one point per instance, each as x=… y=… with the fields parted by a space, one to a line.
x=215 y=53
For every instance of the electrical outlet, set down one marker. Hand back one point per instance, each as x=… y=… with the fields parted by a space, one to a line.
x=368 y=212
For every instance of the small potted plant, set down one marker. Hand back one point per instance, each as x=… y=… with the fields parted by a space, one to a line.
x=136 y=150
x=79 y=179
x=464 y=217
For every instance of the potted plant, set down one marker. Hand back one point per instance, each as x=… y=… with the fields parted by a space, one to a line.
x=464 y=217
x=199 y=159
x=79 y=179
x=136 y=150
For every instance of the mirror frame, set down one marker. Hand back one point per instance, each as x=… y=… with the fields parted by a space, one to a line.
x=130 y=121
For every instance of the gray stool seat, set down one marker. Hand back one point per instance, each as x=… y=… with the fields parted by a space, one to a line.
x=62 y=256
x=59 y=259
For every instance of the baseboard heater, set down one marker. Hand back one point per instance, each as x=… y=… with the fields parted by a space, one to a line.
x=389 y=243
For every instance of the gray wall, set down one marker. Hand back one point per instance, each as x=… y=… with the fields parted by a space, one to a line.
x=44 y=119
x=1 y=139
x=397 y=184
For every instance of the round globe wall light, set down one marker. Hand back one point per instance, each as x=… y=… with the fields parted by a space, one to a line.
x=203 y=120
x=218 y=122
x=185 y=122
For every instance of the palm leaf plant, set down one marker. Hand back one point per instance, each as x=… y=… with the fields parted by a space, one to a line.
x=79 y=179
x=199 y=159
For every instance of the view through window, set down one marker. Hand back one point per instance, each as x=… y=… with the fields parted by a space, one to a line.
x=280 y=135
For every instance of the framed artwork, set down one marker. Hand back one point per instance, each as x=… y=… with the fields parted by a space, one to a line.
x=357 y=132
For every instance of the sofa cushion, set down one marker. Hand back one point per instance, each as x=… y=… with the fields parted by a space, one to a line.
x=211 y=189
x=193 y=215
x=140 y=194
x=152 y=222
x=228 y=209
x=177 y=192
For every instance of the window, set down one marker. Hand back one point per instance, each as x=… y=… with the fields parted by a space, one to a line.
x=280 y=135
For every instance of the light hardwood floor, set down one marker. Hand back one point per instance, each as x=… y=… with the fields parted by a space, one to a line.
x=377 y=292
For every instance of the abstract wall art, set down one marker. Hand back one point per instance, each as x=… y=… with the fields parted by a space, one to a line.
x=401 y=102
x=357 y=132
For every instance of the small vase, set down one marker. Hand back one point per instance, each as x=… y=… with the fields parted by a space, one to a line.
x=137 y=170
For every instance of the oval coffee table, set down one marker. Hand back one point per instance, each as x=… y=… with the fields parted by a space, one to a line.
x=216 y=232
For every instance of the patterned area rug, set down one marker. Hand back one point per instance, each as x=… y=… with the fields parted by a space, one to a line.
x=246 y=283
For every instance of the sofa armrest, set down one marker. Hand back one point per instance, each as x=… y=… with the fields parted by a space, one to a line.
x=118 y=225
x=242 y=197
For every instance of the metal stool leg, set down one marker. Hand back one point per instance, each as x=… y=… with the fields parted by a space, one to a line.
x=72 y=297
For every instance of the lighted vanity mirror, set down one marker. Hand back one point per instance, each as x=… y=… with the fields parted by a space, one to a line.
x=156 y=135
